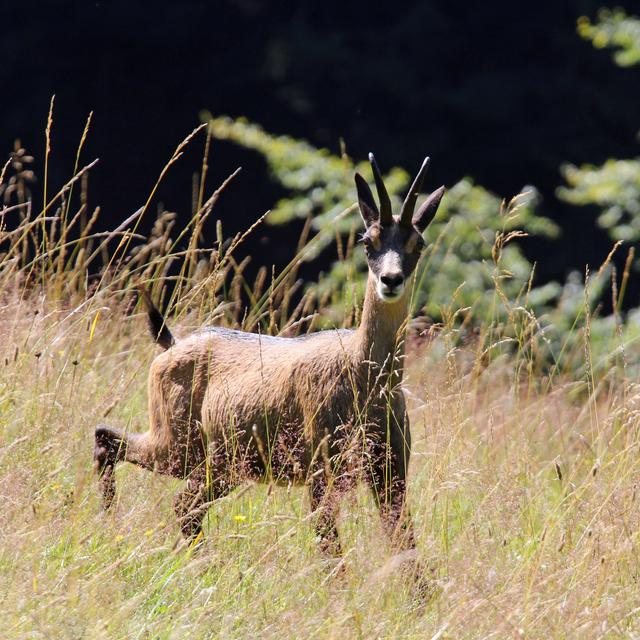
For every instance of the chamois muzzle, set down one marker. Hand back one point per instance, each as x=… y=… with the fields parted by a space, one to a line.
x=391 y=285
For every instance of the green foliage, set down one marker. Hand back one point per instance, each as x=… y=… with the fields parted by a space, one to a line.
x=473 y=251
x=614 y=187
x=616 y=30
x=462 y=238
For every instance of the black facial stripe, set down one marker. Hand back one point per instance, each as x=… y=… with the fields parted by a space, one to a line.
x=392 y=239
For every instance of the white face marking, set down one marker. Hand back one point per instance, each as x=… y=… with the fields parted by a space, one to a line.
x=390 y=265
x=386 y=296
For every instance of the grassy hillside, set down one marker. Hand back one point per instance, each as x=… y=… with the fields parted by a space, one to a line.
x=523 y=481
x=525 y=505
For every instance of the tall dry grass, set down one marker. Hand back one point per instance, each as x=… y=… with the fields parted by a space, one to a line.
x=523 y=486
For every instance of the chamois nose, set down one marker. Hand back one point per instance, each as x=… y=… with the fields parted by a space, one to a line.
x=392 y=280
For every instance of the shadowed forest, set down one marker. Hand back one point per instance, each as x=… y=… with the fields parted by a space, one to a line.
x=504 y=93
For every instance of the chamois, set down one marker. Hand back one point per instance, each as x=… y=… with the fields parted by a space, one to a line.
x=324 y=409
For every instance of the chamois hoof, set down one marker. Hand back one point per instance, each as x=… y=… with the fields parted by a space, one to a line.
x=425 y=587
x=191 y=527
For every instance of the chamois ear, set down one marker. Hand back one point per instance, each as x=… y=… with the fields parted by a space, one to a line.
x=368 y=208
x=427 y=211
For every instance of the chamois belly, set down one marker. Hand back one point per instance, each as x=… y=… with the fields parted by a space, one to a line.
x=255 y=428
x=269 y=400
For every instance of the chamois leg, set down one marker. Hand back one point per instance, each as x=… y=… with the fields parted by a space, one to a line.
x=192 y=503
x=389 y=486
x=113 y=446
x=390 y=493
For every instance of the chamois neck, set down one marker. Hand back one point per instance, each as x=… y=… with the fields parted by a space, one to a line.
x=379 y=334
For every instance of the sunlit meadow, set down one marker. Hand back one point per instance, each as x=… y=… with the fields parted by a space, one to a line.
x=523 y=481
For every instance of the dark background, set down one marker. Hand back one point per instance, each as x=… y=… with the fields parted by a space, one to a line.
x=502 y=91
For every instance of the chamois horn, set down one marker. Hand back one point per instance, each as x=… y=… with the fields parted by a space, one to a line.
x=386 y=217
x=409 y=203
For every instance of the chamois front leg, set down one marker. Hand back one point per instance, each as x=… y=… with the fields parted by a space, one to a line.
x=390 y=462
x=389 y=483
x=390 y=490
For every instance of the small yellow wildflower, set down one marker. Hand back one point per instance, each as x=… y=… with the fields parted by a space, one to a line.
x=240 y=517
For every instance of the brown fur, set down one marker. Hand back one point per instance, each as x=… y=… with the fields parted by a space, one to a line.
x=323 y=410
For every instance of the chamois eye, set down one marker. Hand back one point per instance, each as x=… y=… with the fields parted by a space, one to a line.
x=414 y=245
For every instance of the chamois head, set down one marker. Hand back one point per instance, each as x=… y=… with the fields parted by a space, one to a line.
x=393 y=243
